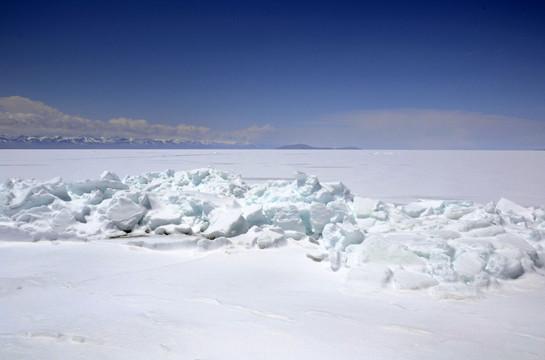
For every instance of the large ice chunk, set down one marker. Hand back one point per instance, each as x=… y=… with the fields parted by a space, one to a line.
x=514 y=212
x=364 y=207
x=87 y=186
x=320 y=216
x=468 y=265
x=124 y=213
x=226 y=222
x=286 y=216
x=377 y=249
x=254 y=215
x=339 y=236
x=455 y=210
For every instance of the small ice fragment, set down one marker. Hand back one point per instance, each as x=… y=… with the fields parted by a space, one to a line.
x=317 y=255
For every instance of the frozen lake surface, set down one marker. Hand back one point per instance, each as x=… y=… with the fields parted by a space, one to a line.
x=424 y=262
x=394 y=176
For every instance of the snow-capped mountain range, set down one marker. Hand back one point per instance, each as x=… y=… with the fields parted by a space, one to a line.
x=77 y=142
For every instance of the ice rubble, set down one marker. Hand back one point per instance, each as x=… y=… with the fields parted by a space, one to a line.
x=451 y=247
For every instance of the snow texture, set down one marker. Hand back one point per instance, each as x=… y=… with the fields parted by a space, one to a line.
x=434 y=245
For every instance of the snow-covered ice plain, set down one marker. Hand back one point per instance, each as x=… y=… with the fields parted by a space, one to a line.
x=264 y=254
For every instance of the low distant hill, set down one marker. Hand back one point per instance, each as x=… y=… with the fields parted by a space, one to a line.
x=301 y=147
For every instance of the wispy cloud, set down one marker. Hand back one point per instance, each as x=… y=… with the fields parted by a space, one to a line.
x=420 y=129
x=19 y=115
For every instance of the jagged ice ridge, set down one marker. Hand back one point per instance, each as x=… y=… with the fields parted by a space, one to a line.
x=453 y=248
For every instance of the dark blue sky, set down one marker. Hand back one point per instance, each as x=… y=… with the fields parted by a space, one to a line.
x=304 y=65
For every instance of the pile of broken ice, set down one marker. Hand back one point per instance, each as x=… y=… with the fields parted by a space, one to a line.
x=448 y=246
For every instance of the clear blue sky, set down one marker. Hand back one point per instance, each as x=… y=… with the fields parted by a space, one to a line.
x=297 y=65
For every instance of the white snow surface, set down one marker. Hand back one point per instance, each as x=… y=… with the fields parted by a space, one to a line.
x=206 y=264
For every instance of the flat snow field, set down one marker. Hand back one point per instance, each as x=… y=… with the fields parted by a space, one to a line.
x=424 y=258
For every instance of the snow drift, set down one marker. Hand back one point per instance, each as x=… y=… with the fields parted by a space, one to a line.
x=454 y=248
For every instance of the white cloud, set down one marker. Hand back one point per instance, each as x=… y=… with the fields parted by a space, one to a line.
x=191 y=131
x=22 y=116
x=19 y=115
